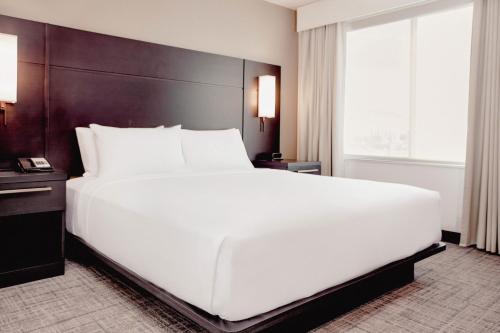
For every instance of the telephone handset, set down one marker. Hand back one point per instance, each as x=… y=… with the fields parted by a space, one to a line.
x=34 y=164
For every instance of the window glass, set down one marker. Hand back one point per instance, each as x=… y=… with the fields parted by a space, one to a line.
x=406 y=88
x=442 y=85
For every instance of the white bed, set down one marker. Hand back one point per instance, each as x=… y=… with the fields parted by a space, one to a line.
x=240 y=243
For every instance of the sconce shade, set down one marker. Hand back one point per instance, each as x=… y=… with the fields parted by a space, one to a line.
x=267 y=96
x=8 y=68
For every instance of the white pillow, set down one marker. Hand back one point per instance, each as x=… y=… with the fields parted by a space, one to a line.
x=88 y=152
x=214 y=150
x=132 y=151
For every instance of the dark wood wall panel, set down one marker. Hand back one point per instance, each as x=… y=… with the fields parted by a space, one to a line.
x=30 y=38
x=79 y=98
x=24 y=134
x=69 y=78
x=268 y=140
x=86 y=50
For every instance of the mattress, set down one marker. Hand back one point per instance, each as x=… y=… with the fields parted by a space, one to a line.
x=240 y=243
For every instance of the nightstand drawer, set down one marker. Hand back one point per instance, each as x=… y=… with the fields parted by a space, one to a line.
x=26 y=198
x=313 y=169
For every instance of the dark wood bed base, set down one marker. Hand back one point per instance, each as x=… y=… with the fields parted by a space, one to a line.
x=298 y=316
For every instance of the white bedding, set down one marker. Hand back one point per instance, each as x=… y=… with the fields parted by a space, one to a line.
x=240 y=243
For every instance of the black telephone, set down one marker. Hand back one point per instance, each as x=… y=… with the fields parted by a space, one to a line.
x=34 y=164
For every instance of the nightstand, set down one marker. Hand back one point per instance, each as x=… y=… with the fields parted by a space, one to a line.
x=291 y=165
x=31 y=226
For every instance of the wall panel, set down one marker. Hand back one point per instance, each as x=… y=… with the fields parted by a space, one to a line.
x=70 y=78
x=254 y=138
x=24 y=133
x=80 y=49
x=81 y=97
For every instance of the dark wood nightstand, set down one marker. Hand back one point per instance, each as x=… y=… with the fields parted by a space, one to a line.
x=291 y=165
x=31 y=226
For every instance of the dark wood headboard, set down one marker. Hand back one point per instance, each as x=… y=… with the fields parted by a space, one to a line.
x=69 y=78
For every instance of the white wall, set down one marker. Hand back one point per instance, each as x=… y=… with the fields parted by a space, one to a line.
x=249 y=29
x=447 y=180
x=332 y=11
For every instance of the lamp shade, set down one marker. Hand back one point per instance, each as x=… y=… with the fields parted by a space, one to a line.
x=267 y=96
x=8 y=68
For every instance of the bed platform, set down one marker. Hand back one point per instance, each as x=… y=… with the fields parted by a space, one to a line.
x=299 y=316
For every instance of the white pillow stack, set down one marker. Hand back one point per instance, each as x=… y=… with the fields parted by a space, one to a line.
x=120 y=152
x=133 y=151
x=111 y=151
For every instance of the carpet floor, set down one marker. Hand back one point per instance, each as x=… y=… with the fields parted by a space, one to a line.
x=455 y=291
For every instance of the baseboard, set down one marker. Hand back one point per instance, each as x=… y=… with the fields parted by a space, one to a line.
x=34 y=273
x=450 y=236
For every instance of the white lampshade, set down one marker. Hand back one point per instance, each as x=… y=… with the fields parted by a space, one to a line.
x=267 y=96
x=8 y=68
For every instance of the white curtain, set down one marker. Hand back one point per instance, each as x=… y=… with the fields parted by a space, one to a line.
x=320 y=97
x=481 y=224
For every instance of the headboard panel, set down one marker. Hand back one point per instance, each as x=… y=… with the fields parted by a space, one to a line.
x=91 y=51
x=253 y=137
x=79 y=98
x=86 y=78
x=24 y=134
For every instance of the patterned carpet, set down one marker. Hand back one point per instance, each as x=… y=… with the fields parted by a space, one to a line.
x=456 y=291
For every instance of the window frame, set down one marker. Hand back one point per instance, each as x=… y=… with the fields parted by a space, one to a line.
x=411 y=13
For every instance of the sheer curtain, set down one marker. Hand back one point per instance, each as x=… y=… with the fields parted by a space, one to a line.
x=481 y=224
x=320 y=119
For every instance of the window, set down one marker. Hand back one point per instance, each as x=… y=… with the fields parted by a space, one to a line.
x=407 y=85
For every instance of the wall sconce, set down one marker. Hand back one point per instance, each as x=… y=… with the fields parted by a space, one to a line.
x=267 y=98
x=8 y=72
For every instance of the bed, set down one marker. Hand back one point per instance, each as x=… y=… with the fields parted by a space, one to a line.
x=267 y=259
x=241 y=250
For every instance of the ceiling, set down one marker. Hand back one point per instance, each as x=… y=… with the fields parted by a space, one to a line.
x=292 y=4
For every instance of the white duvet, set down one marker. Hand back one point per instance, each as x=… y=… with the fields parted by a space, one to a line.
x=238 y=244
